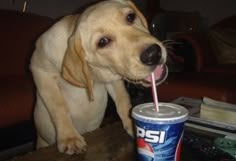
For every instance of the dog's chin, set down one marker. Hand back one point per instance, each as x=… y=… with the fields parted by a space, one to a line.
x=147 y=83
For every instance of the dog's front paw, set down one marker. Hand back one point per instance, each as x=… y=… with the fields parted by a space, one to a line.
x=72 y=145
x=128 y=126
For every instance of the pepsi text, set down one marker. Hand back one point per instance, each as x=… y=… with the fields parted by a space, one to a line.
x=151 y=136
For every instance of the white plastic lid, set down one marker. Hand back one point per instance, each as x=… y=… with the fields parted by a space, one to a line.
x=168 y=113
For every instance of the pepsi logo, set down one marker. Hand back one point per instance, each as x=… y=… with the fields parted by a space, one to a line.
x=178 y=149
x=145 y=150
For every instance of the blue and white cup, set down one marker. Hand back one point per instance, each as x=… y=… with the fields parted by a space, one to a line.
x=159 y=134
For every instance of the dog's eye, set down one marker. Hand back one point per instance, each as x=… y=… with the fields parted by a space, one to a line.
x=104 y=41
x=131 y=17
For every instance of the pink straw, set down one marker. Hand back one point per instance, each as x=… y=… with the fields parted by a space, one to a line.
x=154 y=91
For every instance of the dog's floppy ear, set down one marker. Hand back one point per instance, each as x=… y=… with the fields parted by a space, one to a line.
x=74 y=68
x=139 y=14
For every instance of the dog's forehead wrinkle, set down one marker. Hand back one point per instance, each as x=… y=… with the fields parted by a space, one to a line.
x=103 y=7
x=104 y=11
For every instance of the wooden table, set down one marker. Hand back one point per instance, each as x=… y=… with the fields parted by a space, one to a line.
x=110 y=143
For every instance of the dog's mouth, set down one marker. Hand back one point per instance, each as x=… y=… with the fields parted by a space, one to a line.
x=160 y=73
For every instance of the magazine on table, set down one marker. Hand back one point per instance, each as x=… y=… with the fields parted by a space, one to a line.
x=204 y=114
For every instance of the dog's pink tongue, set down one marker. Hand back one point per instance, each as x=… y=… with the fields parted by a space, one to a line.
x=158 y=73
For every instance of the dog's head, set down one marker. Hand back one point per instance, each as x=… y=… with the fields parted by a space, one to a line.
x=111 y=41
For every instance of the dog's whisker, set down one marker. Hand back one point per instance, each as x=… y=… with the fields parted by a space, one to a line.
x=169 y=47
x=170 y=53
x=167 y=40
x=170 y=42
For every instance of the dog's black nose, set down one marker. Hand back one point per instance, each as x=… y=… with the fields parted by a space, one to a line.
x=151 y=55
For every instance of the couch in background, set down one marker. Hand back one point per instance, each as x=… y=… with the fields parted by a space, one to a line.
x=209 y=64
x=18 y=33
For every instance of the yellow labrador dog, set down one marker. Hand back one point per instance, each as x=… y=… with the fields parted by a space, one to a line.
x=79 y=60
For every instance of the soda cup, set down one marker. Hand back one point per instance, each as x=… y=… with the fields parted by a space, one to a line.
x=159 y=134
